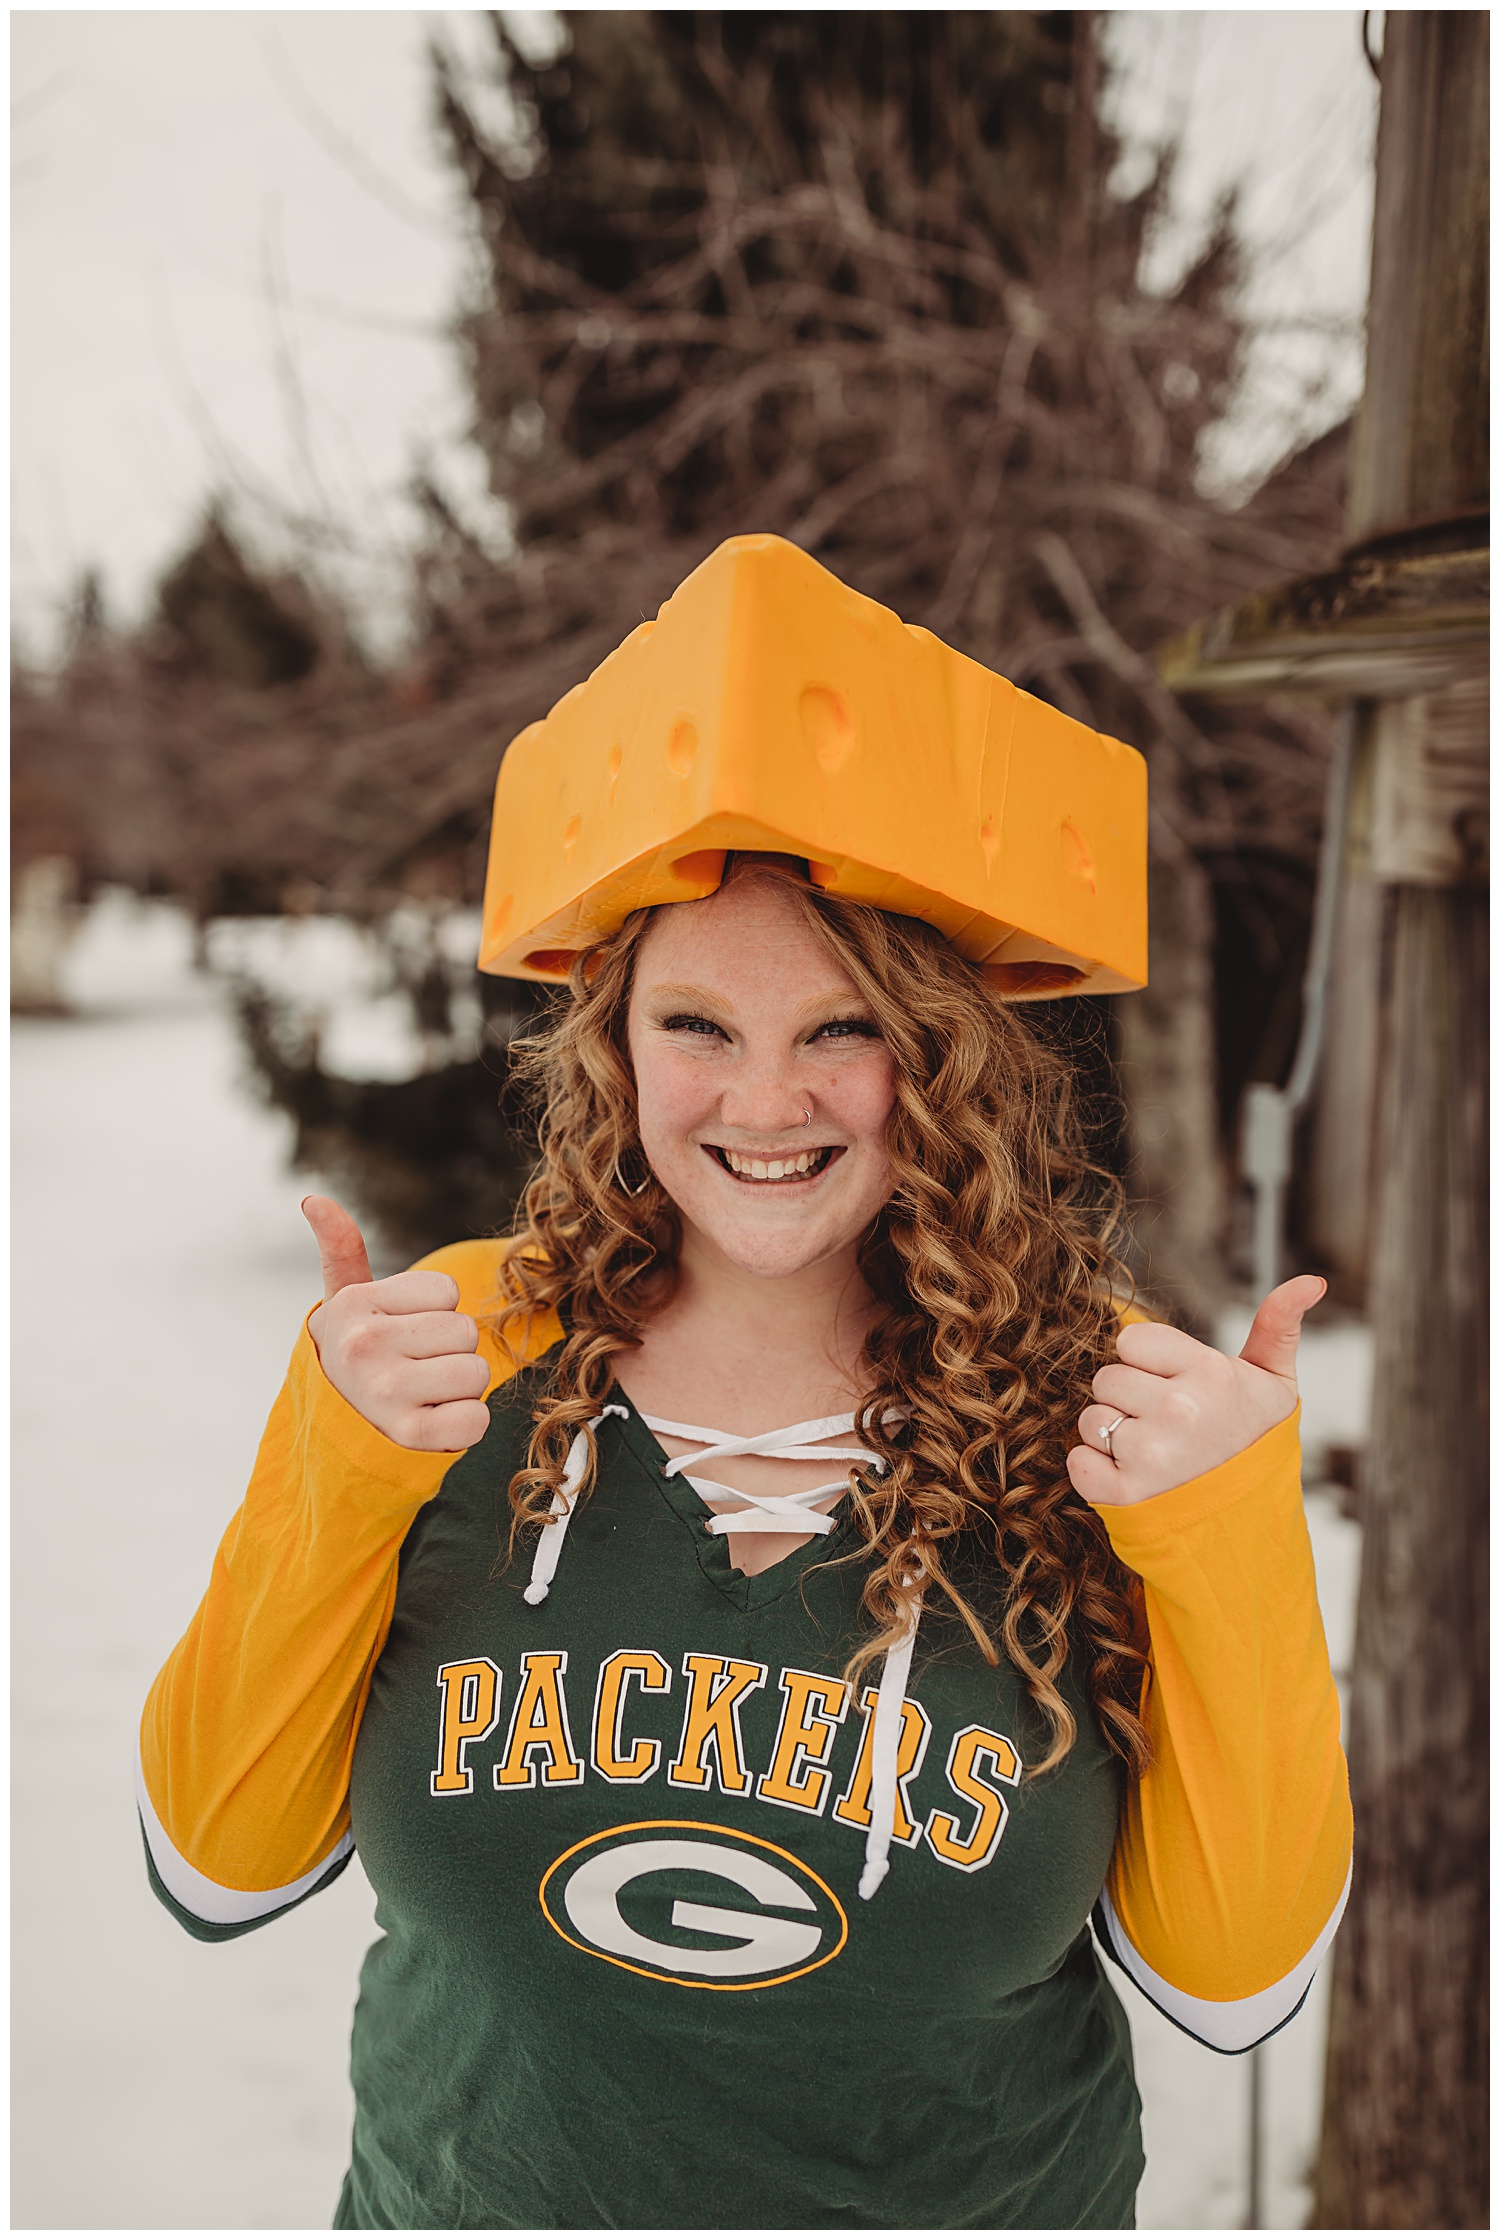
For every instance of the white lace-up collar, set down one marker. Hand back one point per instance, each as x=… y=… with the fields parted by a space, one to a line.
x=789 y=1512
x=782 y=1512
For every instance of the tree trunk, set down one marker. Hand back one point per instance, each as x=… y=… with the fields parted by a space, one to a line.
x=1405 y=2132
x=1166 y=1063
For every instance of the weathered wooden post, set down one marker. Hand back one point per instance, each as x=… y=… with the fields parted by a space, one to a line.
x=1402 y=627
x=1405 y=2127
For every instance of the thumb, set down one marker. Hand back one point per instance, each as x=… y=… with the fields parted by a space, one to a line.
x=1272 y=1343
x=341 y=1248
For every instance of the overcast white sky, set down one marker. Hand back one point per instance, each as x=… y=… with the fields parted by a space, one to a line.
x=236 y=248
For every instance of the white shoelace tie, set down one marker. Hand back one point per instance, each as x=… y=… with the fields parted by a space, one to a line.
x=767 y=1512
x=789 y=1512
x=885 y=1754
x=554 y=1531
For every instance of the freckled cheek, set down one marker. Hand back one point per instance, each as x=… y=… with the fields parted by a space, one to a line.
x=860 y=1101
x=673 y=1098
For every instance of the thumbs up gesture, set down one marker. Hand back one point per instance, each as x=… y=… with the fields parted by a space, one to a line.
x=396 y=1350
x=1170 y=1409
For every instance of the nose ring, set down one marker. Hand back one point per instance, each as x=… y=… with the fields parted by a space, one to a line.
x=806 y=1117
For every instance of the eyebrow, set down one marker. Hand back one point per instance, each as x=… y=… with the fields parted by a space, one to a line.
x=702 y=999
x=667 y=992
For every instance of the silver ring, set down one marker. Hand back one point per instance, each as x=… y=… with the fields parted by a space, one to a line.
x=1108 y=1432
x=806 y=1117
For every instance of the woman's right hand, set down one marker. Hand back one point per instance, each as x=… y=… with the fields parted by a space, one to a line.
x=396 y=1350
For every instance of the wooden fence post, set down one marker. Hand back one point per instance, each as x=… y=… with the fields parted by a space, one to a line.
x=1405 y=2125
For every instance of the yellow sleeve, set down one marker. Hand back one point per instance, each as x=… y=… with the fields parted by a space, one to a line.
x=248 y=1734
x=1232 y=1864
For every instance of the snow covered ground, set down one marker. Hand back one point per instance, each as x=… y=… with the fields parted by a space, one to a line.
x=161 y=1269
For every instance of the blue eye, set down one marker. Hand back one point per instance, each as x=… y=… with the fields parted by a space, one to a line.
x=687 y=1022
x=844 y=1030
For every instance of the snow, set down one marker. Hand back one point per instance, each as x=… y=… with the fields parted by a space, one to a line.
x=343 y=979
x=150 y=1183
x=1334 y=1366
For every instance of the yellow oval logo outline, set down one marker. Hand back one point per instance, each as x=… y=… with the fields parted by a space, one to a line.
x=694 y=1983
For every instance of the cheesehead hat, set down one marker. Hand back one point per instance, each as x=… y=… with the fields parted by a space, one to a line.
x=771 y=708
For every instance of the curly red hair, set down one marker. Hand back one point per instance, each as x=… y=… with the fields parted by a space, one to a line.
x=997 y=1296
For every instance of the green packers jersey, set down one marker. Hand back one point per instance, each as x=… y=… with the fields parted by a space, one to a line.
x=625 y=1978
x=619 y=1834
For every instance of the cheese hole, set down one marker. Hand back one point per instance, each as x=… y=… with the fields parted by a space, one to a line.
x=703 y=870
x=1033 y=976
x=827 y=726
x=1078 y=856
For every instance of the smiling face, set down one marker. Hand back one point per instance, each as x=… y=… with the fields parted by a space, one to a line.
x=741 y=1022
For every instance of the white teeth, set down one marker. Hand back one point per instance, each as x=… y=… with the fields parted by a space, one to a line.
x=772 y=1170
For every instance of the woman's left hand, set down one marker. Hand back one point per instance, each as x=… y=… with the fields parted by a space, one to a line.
x=1171 y=1409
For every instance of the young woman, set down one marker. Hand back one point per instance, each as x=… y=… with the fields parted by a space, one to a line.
x=754 y=1621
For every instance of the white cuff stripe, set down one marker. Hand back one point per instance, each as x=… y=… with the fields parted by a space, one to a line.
x=210 y=1901
x=1228 y=2025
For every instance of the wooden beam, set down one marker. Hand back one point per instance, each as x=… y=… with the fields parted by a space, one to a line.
x=1381 y=626
x=1430 y=788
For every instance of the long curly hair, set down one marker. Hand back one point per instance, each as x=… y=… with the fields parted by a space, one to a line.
x=997 y=1296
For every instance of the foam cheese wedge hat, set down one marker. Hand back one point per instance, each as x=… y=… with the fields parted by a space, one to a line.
x=769 y=707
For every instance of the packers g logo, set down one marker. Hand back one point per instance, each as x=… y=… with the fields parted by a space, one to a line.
x=620 y=1894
